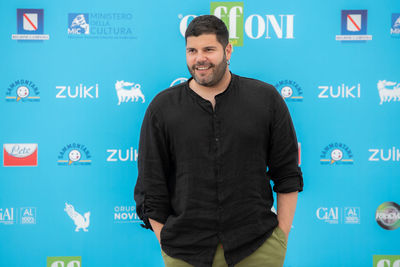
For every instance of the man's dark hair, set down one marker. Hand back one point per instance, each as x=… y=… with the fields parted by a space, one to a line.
x=207 y=24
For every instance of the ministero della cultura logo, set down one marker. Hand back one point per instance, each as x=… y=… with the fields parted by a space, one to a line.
x=388 y=216
x=255 y=26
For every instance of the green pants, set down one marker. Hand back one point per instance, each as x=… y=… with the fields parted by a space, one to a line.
x=270 y=254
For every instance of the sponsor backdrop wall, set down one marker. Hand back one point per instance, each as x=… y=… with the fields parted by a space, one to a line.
x=77 y=77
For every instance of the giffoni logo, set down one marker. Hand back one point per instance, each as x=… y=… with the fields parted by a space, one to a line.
x=73 y=261
x=386 y=261
x=231 y=13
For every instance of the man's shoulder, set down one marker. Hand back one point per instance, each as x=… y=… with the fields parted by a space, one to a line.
x=167 y=96
x=250 y=84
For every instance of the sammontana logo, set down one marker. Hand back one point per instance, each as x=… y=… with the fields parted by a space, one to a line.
x=74 y=154
x=336 y=153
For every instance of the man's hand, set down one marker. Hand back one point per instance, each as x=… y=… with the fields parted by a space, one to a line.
x=156 y=228
x=286 y=206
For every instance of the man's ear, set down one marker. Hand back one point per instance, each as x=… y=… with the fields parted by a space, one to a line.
x=228 y=51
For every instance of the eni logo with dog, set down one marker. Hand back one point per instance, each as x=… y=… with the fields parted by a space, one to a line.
x=336 y=154
x=74 y=154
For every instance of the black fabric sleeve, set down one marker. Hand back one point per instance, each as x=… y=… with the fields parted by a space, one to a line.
x=151 y=191
x=283 y=151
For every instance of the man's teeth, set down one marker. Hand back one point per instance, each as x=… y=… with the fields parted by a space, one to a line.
x=203 y=68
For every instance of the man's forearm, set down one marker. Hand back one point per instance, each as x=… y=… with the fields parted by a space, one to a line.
x=286 y=206
x=156 y=228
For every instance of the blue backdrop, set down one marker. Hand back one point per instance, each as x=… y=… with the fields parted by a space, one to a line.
x=77 y=77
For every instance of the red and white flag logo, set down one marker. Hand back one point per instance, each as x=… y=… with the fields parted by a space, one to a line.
x=20 y=155
x=354 y=22
x=30 y=21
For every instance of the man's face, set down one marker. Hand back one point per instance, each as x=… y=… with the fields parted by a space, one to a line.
x=206 y=59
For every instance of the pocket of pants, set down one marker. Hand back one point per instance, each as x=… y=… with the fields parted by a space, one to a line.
x=281 y=236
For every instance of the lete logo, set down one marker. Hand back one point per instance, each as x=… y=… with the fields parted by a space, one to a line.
x=20 y=155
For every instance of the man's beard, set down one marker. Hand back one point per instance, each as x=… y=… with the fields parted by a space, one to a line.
x=214 y=77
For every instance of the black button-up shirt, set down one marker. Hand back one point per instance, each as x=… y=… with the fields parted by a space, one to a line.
x=203 y=171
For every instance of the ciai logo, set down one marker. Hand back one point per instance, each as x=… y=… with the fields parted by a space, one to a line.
x=7 y=215
x=133 y=93
x=125 y=214
x=388 y=91
x=336 y=153
x=378 y=154
x=329 y=215
x=129 y=154
x=79 y=91
x=340 y=91
x=81 y=222
x=74 y=154
x=22 y=91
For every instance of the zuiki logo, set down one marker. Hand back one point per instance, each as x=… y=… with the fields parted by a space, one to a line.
x=255 y=26
x=336 y=153
x=30 y=25
x=101 y=26
x=388 y=91
x=340 y=91
x=20 y=155
x=290 y=90
x=7 y=216
x=178 y=81
x=354 y=26
x=78 y=23
x=22 y=91
x=381 y=154
x=386 y=261
x=79 y=91
x=125 y=214
x=26 y=215
x=71 y=261
x=388 y=215
x=125 y=95
x=115 y=155
x=74 y=154
x=231 y=13
x=395 y=29
x=81 y=222
x=333 y=215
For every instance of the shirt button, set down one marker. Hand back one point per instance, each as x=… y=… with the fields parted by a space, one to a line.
x=216 y=139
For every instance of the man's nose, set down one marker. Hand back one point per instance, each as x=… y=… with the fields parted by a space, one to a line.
x=201 y=57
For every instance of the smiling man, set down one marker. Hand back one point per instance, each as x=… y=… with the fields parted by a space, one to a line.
x=208 y=150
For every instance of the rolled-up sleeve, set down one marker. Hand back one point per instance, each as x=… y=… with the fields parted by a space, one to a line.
x=151 y=191
x=283 y=159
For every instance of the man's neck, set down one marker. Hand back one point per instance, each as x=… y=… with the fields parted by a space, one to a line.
x=211 y=91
